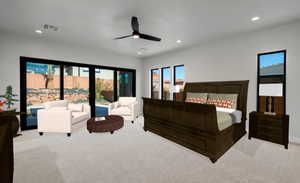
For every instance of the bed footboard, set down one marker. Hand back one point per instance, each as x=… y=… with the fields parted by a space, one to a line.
x=191 y=125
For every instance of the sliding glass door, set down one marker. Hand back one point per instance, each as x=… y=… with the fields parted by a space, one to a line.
x=125 y=83
x=76 y=84
x=49 y=80
x=104 y=90
x=42 y=85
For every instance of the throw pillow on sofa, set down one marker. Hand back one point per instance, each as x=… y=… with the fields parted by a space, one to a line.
x=58 y=108
x=56 y=103
x=125 y=102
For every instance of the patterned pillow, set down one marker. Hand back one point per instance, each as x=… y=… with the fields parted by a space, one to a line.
x=223 y=100
x=222 y=103
x=196 y=97
x=199 y=100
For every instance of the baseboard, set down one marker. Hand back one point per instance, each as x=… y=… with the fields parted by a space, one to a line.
x=295 y=140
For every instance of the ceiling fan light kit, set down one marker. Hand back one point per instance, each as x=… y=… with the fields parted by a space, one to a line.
x=136 y=33
x=136 y=36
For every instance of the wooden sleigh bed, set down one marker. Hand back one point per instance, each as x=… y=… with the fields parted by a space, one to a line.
x=195 y=125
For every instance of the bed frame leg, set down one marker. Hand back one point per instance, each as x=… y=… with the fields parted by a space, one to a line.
x=213 y=160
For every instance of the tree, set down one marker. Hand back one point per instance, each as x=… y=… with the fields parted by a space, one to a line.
x=9 y=97
x=49 y=77
x=98 y=89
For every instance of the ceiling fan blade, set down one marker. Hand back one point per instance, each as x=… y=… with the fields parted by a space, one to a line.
x=135 y=24
x=148 y=37
x=122 y=37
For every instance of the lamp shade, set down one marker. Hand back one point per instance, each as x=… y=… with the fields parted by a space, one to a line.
x=175 y=89
x=275 y=90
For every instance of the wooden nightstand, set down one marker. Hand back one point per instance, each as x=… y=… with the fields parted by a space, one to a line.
x=273 y=128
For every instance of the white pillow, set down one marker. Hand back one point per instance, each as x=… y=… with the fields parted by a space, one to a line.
x=57 y=103
x=58 y=108
x=75 y=107
x=125 y=101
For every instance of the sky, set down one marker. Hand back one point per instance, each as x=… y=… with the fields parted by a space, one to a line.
x=271 y=59
x=167 y=74
x=179 y=72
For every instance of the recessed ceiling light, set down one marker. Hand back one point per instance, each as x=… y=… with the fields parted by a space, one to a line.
x=178 y=41
x=38 y=31
x=255 y=19
x=139 y=53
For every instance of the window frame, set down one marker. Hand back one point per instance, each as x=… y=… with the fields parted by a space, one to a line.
x=151 y=82
x=281 y=77
x=162 y=80
x=174 y=72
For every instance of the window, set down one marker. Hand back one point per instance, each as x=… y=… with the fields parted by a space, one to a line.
x=42 y=85
x=271 y=82
x=76 y=84
x=166 y=83
x=104 y=90
x=125 y=83
x=155 y=83
x=179 y=76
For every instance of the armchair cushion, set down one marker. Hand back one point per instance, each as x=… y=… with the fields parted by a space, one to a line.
x=58 y=108
x=125 y=101
x=122 y=111
x=79 y=116
x=75 y=107
x=58 y=103
x=115 y=105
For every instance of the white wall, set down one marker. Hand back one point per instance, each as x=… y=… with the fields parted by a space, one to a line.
x=14 y=46
x=235 y=58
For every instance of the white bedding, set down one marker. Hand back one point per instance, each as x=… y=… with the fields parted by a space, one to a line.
x=236 y=115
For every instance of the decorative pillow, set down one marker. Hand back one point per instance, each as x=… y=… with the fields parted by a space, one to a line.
x=75 y=107
x=196 y=100
x=125 y=101
x=200 y=98
x=58 y=108
x=115 y=105
x=57 y=103
x=223 y=100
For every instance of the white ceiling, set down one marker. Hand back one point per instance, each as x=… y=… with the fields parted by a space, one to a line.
x=96 y=22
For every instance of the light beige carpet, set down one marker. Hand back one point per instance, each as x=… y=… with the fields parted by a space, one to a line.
x=131 y=155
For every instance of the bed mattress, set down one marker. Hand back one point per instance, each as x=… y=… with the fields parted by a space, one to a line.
x=228 y=117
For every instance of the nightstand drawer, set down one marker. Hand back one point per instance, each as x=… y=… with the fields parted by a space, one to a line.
x=270 y=137
x=267 y=122
x=269 y=129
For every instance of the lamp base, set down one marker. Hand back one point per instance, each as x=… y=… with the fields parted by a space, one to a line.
x=270 y=113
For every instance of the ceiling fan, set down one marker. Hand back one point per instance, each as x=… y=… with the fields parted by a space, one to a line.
x=136 y=33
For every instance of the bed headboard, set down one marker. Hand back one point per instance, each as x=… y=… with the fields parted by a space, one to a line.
x=230 y=87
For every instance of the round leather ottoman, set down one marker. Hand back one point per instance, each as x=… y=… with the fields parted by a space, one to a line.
x=110 y=124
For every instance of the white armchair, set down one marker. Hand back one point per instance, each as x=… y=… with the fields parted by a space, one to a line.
x=127 y=107
x=59 y=116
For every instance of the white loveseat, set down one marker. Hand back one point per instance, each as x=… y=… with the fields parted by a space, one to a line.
x=59 y=116
x=127 y=107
